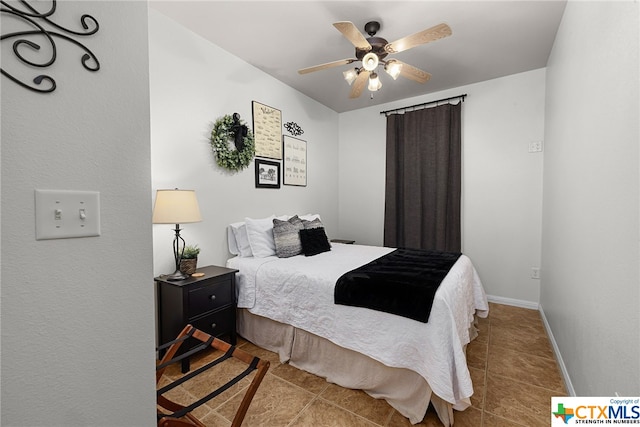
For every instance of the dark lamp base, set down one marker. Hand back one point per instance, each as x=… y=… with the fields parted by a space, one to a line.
x=176 y=276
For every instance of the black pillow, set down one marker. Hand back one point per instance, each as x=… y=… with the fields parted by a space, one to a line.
x=314 y=241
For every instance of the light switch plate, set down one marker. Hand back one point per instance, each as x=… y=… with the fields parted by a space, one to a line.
x=63 y=214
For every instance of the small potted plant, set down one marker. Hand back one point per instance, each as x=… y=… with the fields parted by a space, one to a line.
x=189 y=259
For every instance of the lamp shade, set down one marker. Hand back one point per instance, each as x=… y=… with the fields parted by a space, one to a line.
x=350 y=75
x=176 y=207
x=393 y=68
x=370 y=61
x=374 y=82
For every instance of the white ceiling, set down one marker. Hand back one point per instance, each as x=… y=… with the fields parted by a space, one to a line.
x=490 y=39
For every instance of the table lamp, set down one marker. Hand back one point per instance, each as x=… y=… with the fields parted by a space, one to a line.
x=176 y=207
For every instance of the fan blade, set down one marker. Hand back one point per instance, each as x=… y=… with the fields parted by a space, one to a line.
x=431 y=34
x=413 y=73
x=325 y=66
x=359 y=84
x=352 y=34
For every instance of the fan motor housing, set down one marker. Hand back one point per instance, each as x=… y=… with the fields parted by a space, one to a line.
x=377 y=47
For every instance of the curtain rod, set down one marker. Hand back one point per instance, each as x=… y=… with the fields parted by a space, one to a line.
x=403 y=109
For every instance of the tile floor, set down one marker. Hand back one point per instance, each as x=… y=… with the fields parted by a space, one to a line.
x=512 y=366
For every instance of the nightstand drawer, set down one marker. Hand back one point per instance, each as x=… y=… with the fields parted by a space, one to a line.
x=208 y=298
x=218 y=323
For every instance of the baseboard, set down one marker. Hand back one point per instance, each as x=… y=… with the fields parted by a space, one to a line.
x=556 y=350
x=515 y=302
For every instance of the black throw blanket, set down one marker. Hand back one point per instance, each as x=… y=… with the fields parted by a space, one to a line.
x=403 y=282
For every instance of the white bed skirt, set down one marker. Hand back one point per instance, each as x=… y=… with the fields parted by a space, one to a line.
x=404 y=390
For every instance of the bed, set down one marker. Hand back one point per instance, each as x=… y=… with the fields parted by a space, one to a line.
x=287 y=306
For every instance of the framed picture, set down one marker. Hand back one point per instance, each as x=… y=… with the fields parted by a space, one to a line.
x=267 y=131
x=295 y=161
x=267 y=173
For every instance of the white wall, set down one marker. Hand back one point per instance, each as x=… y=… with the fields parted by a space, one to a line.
x=502 y=181
x=77 y=323
x=193 y=83
x=590 y=277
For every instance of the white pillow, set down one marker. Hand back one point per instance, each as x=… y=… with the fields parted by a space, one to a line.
x=231 y=242
x=260 y=234
x=239 y=230
x=309 y=217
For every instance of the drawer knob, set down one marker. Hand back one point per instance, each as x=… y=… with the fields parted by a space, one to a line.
x=213 y=326
x=212 y=297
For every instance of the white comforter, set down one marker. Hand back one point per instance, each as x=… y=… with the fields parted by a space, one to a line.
x=299 y=291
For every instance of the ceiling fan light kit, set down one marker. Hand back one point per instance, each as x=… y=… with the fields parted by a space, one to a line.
x=370 y=61
x=393 y=68
x=372 y=52
x=350 y=75
x=374 y=82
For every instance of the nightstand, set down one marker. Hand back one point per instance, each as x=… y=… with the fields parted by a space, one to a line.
x=208 y=303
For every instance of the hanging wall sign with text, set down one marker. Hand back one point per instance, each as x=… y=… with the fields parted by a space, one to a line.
x=267 y=130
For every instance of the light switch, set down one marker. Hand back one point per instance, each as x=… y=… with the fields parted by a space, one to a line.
x=63 y=214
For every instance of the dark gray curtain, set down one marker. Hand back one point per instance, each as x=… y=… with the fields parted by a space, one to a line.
x=423 y=179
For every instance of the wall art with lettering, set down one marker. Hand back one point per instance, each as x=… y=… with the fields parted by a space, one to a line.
x=267 y=130
x=295 y=161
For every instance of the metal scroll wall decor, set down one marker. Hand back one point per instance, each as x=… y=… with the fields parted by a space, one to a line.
x=293 y=128
x=34 y=21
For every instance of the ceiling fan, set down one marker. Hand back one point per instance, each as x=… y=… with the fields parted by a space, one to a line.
x=373 y=51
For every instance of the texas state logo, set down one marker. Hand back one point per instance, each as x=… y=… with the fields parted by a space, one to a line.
x=595 y=410
x=565 y=414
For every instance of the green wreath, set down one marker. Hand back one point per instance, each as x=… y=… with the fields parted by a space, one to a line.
x=234 y=159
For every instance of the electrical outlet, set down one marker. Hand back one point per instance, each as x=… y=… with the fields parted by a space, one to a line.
x=535 y=146
x=535 y=272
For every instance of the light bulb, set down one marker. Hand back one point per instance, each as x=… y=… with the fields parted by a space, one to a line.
x=393 y=68
x=374 y=82
x=350 y=75
x=370 y=61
